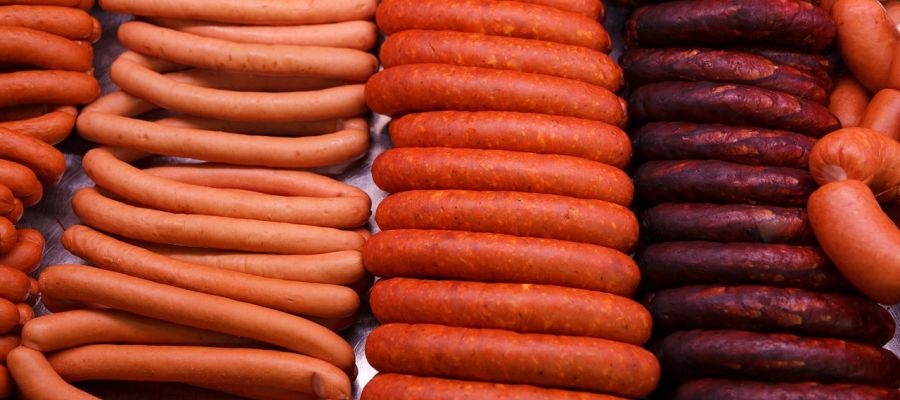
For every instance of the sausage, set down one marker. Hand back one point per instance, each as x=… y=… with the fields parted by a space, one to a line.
x=508 y=357
x=867 y=40
x=52 y=127
x=64 y=3
x=432 y=87
x=250 y=392
x=726 y=223
x=487 y=257
x=739 y=144
x=7 y=343
x=858 y=237
x=726 y=389
x=70 y=23
x=486 y=51
x=8 y=235
x=47 y=162
x=590 y=8
x=208 y=231
x=859 y=154
x=26 y=313
x=36 y=378
x=789 y=23
x=266 y=12
x=532 y=133
x=47 y=87
x=701 y=64
x=7 y=200
x=14 y=284
x=16 y=214
x=814 y=64
x=359 y=35
x=26 y=255
x=696 y=263
x=506 y=18
x=198 y=310
x=512 y=213
x=298 y=128
x=21 y=181
x=770 y=309
x=43 y=50
x=721 y=182
x=397 y=386
x=849 y=100
x=525 y=308
x=313 y=299
x=776 y=357
x=266 y=59
x=193 y=364
x=500 y=170
x=883 y=113
x=730 y=104
x=250 y=82
x=163 y=194
x=136 y=79
x=9 y=316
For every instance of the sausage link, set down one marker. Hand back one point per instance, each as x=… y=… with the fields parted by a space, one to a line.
x=513 y=213
x=7 y=344
x=16 y=214
x=47 y=87
x=508 y=357
x=9 y=316
x=867 y=40
x=26 y=255
x=522 y=308
x=883 y=113
x=500 y=170
x=264 y=12
x=739 y=144
x=36 y=378
x=14 y=284
x=859 y=154
x=726 y=223
x=677 y=264
x=70 y=23
x=7 y=200
x=849 y=100
x=776 y=357
x=47 y=162
x=397 y=386
x=35 y=48
x=431 y=87
x=8 y=235
x=26 y=313
x=590 y=8
x=814 y=64
x=52 y=127
x=770 y=309
x=730 y=104
x=726 y=389
x=721 y=182
x=359 y=35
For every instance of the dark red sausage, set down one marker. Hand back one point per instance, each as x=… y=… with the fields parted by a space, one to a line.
x=771 y=309
x=435 y=168
x=512 y=213
x=676 y=264
x=488 y=257
x=533 y=133
x=730 y=104
x=396 y=386
x=645 y=65
x=776 y=357
x=791 y=23
x=738 y=144
x=726 y=389
x=495 y=355
x=814 y=64
x=721 y=182
x=726 y=223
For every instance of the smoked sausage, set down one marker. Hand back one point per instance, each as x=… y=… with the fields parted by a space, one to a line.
x=397 y=386
x=726 y=389
x=726 y=223
x=814 y=64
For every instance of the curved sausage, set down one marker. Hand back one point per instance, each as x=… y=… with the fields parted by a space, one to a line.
x=14 y=284
x=770 y=309
x=790 y=23
x=721 y=182
x=7 y=200
x=726 y=389
x=524 y=308
x=403 y=169
x=513 y=213
x=486 y=51
x=730 y=104
x=52 y=127
x=26 y=255
x=155 y=226
x=47 y=162
x=47 y=87
x=739 y=144
x=817 y=65
x=867 y=39
x=432 y=87
x=297 y=128
x=8 y=235
x=26 y=313
x=726 y=223
x=486 y=257
x=70 y=23
x=532 y=133
x=251 y=82
x=198 y=310
x=859 y=154
x=394 y=386
x=37 y=379
x=266 y=12
x=858 y=237
x=9 y=316
x=16 y=214
x=883 y=113
x=677 y=264
x=22 y=181
x=644 y=66
x=64 y=3
x=776 y=357
x=32 y=47
x=849 y=100
x=359 y=35
x=519 y=19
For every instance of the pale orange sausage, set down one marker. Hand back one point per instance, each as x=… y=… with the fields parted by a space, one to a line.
x=883 y=113
x=360 y=35
x=52 y=127
x=849 y=100
x=260 y=12
x=867 y=40
x=37 y=380
x=26 y=254
x=248 y=82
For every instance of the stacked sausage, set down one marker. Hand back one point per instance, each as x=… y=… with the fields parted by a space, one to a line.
x=231 y=274
x=504 y=242
x=747 y=306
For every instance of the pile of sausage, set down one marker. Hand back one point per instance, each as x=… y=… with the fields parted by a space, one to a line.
x=505 y=238
x=233 y=274
x=745 y=304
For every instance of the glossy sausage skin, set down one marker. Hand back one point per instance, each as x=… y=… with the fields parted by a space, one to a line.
x=409 y=387
x=726 y=223
x=726 y=389
x=815 y=64
x=489 y=257
x=883 y=113
x=676 y=264
x=721 y=182
x=859 y=154
x=849 y=100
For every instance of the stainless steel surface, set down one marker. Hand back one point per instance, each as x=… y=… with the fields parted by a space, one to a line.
x=54 y=213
